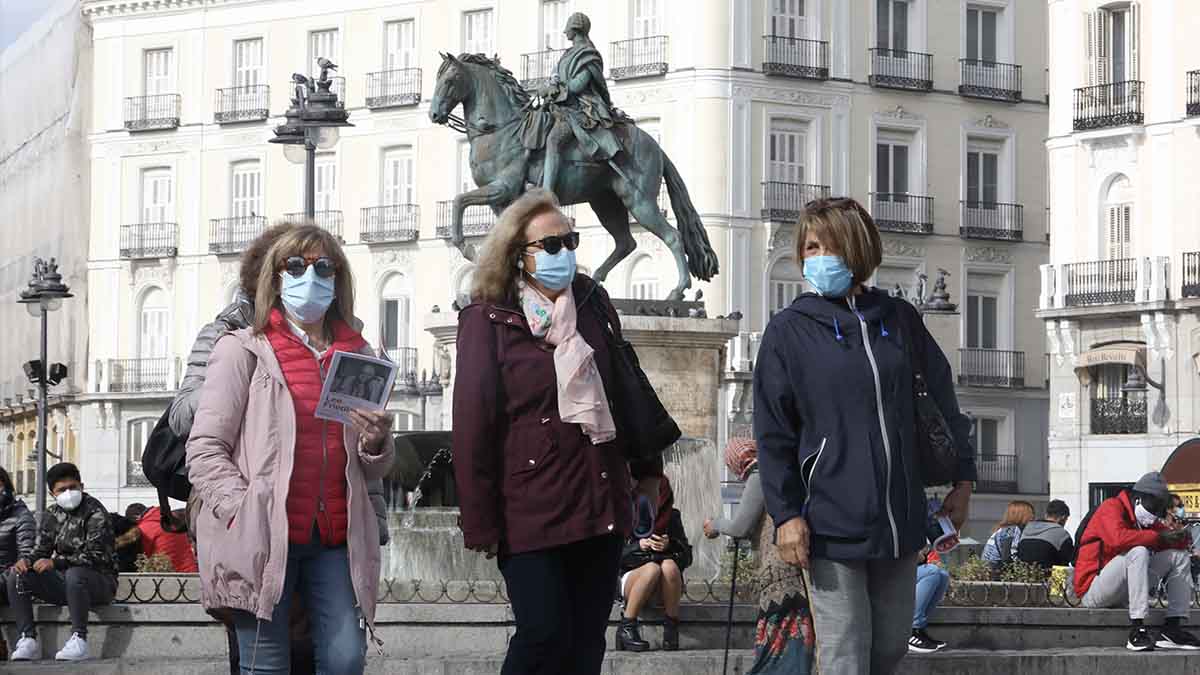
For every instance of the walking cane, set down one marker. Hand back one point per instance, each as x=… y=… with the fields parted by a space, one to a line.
x=732 y=592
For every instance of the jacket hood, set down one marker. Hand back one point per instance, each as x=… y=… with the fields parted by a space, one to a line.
x=14 y=508
x=1038 y=527
x=875 y=307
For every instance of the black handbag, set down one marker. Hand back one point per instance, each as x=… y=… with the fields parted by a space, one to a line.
x=935 y=449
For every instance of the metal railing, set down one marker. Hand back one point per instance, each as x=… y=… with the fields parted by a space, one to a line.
x=395 y=222
x=242 y=104
x=990 y=80
x=795 y=57
x=784 y=201
x=1109 y=105
x=902 y=212
x=1193 y=93
x=1100 y=282
x=146 y=113
x=898 y=69
x=233 y=235
x=407 y=374
x=997 y=473
x=134 y=475
x=1119 y=416
x=394 y=88
x=639 y=57
x=149 y=240
x=991 y=368
x=329 y=220
x=477 y=220
x=538 y=67
x=142 y=375
x=992 y=220
x=1191 y=275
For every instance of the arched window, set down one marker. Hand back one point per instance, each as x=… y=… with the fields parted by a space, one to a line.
x=395 y=316
x=785 y=285
x=1118 y=215
x=153 y=325
x=643 y=282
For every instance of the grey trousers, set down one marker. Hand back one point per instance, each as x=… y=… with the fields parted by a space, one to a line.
x=1129 y=577
x=862 y=613
x=78 y=588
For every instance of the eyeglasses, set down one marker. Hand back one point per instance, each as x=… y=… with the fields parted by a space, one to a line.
x=555 y=242
x=297 y=265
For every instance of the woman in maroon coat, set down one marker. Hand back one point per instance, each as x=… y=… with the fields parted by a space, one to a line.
x=542 y=477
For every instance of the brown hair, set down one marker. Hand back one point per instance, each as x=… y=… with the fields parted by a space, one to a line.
x=295 y=241
x=843 y=225
x=1018 y=513
x=253 y=255
x=496 y=274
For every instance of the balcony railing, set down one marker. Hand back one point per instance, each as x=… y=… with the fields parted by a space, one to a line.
x=784 y=201
x=902 y=212
x=1193 y=93
x=639 y=57
x=328 y=220
x=992 y=220
x=1191 y=274
x=477 y=220
x=146 y=113
x=396 y=222
x=149 y=240
x=997 y=473
x=898 y=69
x=990 y=80
x=1101 y=282
x=405 y=359
x=794 y=57
x=1108 y=105
x=1119 y=415
x=394 y=88
x=142 y=375
x=991 y=368
x=233 y=235
x=242 y=104
x=538 y=67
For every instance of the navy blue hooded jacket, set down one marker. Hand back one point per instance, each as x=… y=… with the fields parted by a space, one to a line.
x=833 y=417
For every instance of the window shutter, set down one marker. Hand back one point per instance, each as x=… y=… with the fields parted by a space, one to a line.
x=1090 y=54
x=900 y=169
x=883 y=20
x=990 y=171
x=1103 y=34
x=987 y=37
x=900 y=26
x=973 y=179
x=1133 y=37
x=883 y=174
x=972 y=34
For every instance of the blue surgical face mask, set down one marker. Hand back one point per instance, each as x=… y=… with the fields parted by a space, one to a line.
x=306 y=298
x=556 y=271
x=829 y=275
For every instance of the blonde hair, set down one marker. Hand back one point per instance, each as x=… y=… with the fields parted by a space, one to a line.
x=300 y=238
x=844 y=225
x=496 y=274
x=1018 y=513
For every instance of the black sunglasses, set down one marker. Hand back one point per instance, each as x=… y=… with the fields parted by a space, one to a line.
x=555 y=242
x=297 y=265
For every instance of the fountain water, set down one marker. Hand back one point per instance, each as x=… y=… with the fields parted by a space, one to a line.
x=693 y=467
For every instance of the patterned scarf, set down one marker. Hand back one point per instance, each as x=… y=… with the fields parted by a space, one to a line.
x=741 y=456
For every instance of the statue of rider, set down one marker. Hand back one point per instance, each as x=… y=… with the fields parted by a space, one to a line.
x=582 y=106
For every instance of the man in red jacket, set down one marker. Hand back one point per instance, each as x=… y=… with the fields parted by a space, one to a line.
x=174 y=545
x=1126 y=551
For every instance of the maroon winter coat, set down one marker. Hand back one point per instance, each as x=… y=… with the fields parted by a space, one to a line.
x=527 y=480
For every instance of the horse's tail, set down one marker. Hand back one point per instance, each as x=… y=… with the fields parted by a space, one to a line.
x=701 y=258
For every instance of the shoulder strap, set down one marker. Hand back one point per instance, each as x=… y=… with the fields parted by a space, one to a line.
x=916 y=357
x=607 y=312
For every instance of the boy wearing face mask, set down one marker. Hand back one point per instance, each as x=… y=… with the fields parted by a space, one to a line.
x=74 y=562
x=1125 y=551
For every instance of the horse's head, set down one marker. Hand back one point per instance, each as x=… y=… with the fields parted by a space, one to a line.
x=451 y=89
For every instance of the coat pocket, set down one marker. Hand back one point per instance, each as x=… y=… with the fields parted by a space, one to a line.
x=529 y=448
x=843 y=492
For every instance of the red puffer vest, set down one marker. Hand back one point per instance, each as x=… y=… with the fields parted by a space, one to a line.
x=317 y=490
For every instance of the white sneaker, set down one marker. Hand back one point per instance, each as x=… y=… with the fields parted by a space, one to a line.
x=28 y=649
x=76 y=649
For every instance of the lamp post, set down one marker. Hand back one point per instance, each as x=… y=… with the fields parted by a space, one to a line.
x=311 y=122
x=44 y=295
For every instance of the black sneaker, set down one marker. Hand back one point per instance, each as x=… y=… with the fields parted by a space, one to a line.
x=1140 y=640
x=1174 y=637
x=921 y=643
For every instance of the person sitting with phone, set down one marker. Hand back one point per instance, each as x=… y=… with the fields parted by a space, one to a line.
x=654 y=565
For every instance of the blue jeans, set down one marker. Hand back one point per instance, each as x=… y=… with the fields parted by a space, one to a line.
x=340 y=644
x=932 y=582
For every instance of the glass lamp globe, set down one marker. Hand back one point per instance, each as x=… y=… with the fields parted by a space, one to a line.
x=294 y=152
x=327 y=137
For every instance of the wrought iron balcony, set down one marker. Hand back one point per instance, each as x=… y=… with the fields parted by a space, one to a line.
x=407 y=376
x=394 y=88
x=141 y=241
x=1191 y=274
x=990 y=80
x=783 y=201
x=328 y=220
x=477 y=220
x=1193 y=93
x=147 y=113
x=991 y=368
x=242 y=104
x=992 y=220
x=1119 y=415
x=794 y=57
x=902 y=212
x=392 y=223
x=538 y=67
x=997 y=473
x=233 y=235
x=639 y=57
x=898 y=69
x=1100 y=282
x=142 y=375
x=1109 y=105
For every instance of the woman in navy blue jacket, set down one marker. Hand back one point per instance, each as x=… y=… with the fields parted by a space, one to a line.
x=833 y=418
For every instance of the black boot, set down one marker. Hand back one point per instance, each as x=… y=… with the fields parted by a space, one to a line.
x=670 y=634
x=629 y=638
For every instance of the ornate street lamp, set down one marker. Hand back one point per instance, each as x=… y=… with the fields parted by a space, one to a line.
x=45 y=294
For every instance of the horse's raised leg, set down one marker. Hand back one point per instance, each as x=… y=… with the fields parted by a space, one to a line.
x=615 y=218
x=645 y=210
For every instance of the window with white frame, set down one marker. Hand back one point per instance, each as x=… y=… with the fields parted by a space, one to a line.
x=137 y=432
x=246 y=189
x=784 y=284
x=981 y=32
x=326 y=183
x=554 y=18
x=788 y=19
x=982 y=173
x=986 y=431
x=400 y=45
x=158 y=196
x=647 y=18
x=158 y=72
x=397 y=185
x=891 y=24
x=1112 y=44
x=893 y=155
x=478 y=32
x=248 y=63
x=324 y=44
x=986 y=305
x=153 y=325
x=395 y=316
x=786 y=151
x=643 y=280
x=1118 y=214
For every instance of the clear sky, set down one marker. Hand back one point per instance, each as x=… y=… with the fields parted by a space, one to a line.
x=17 y=15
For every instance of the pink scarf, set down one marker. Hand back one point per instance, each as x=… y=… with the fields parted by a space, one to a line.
x=581 y=397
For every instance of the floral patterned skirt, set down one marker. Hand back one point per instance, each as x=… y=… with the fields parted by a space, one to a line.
x=784 y=641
